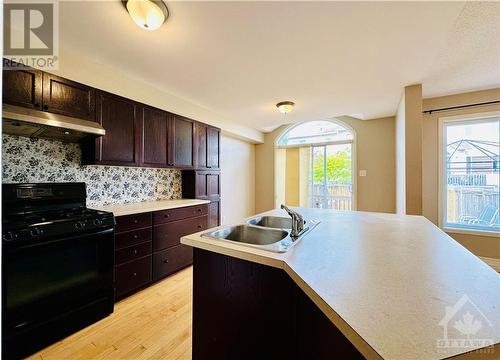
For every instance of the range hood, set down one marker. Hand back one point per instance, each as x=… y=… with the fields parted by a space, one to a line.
x=22 y=121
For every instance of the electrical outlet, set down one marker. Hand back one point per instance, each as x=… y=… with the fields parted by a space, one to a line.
x=362 y=172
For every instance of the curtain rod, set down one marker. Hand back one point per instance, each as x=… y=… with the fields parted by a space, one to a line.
x=461 y=106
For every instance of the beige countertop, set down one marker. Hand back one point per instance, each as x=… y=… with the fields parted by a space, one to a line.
x=384 y=280
x=147 y=206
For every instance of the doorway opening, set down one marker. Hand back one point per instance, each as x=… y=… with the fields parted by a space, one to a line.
x=315 y=166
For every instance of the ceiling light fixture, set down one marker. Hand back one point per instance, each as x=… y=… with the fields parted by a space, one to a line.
x=147 y=14
x=285 y=107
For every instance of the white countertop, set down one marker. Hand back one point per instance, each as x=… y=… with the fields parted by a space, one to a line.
x=148 y=206
x=384 y=280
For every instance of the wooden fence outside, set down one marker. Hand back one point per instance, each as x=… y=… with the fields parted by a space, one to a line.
x=338 y=197
x=468 y=202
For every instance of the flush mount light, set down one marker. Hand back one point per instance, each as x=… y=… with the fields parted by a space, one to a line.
x=285 y=106
x=147 y=14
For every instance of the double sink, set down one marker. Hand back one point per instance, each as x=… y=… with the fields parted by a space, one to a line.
x=271 y=233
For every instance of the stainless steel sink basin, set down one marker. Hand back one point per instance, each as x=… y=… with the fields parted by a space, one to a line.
x=275 y=222
x=275 y=238
x=249 y=234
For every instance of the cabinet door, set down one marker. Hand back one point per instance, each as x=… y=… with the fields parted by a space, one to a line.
x=201 y=145
x=66 y=97
x=120 y=145
x=213 y=140
x=170 y=260
x=181 y=132
x=154 y=139
x=214 y=214
x=23 y=87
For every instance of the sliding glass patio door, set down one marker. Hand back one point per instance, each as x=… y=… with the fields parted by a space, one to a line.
x=331 y=177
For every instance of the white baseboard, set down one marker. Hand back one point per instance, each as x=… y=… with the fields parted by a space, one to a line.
x=494 y=263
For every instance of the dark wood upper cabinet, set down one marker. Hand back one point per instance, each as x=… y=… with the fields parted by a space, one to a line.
x=23 y=87
x=120 y=118
x=207 y=146
x=213 y=141
x=154 y=144
x=201 y=145
x=181 y=142
x=66 y=97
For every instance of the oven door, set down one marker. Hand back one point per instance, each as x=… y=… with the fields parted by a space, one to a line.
x=45 y=281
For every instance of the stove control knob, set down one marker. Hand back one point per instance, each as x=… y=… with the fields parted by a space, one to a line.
x=8 y=236
x=35 y=232
x=97 y=222
x=79 y=225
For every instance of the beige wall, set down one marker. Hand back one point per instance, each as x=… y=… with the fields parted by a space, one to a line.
x=400 y=157
x=487 y=246
x=292 y=192
x=237 y=179
x=264 y=172
x=375 y=151
x=409 y=152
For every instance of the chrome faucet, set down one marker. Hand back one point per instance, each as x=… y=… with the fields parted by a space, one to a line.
x=297 y=221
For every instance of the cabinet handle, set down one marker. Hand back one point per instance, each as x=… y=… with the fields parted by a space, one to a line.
x=199 y=210
x=135 y=252
x=199 y=226
x=134 y=274
x=136 y=221
x=165 y=261
x=136 y=236
x=167 y=215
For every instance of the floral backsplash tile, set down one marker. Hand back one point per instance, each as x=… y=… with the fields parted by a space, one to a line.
x=40 y=160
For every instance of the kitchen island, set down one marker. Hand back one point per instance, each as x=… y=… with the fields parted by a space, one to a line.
x=372 y=285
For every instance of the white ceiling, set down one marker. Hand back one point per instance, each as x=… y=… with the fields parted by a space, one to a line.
x=332 y=58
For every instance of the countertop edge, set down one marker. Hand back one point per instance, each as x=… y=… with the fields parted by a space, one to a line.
x=148 y=206
x=359 y=343
x=281 y=261
x=364 y=348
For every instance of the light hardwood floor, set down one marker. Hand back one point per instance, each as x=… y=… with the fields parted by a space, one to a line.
x=153 y=324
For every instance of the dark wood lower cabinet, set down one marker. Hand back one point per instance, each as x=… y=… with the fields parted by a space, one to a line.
x=213 y=214
x=169 y=234
x=148 y=248
x=170 y=260
x=132 y=275
x=244 y=310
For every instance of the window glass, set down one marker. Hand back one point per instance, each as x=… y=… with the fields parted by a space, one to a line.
x=315 y=132
x=471 y=194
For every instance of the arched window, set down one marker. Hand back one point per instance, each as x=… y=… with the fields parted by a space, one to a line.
x=315 y=132
x=315 y=165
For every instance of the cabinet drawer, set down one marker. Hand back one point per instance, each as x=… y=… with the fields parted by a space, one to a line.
x=169 y=234
x=132 y=275
x=132 y=252
x=132 y=222
x=164 y=216
x=170 y=260
x=133 y=237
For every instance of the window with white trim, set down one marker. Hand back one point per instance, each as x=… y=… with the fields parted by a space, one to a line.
x=470 y=177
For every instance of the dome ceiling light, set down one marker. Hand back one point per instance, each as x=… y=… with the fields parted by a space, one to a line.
x=147 y=14
x=285 y=107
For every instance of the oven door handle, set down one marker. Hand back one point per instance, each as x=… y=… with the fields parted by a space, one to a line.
x=82 y=236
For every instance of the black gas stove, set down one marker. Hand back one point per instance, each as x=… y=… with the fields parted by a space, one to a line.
x=57 y=264
x=43 y=224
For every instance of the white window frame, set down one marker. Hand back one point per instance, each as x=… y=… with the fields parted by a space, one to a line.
x=442 y=199
x=354 y=156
